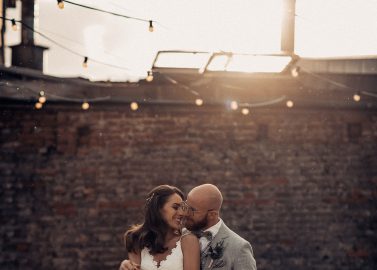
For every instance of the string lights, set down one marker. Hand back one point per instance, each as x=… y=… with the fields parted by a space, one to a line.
x=61 y=4
x=85 y=105
x=295 y=72
x=245 y=111
x=199 y=102
x=149 y=76
x=234 y=105
x=14 y=25
x=134 y=106
x=357 y=97
x=289 y=104
x=38 y=105
x=64 y=47
x=42 y=98
x=150 y=26
x=85 y=62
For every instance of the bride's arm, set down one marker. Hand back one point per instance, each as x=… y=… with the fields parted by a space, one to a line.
x=191 y=252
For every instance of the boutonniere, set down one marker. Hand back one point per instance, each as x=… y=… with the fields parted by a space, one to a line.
x=215 y=253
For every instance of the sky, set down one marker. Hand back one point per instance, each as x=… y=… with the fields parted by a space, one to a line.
x=324 y=28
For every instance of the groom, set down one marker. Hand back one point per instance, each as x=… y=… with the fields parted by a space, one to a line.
x=221 y=248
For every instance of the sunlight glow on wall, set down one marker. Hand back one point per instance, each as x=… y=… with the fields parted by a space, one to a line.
x=222 y=62
x=181 y=59
x=250 y=63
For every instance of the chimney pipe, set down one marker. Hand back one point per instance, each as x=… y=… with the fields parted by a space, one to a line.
x=288 y=27
x=27 y=54
x=27 y=36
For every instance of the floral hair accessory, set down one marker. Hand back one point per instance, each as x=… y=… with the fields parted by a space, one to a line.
x=149 y=199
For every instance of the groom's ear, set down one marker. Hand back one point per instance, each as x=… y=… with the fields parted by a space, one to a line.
x=213 y=214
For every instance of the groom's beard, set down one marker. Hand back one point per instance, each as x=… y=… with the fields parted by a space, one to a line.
x=199 y=225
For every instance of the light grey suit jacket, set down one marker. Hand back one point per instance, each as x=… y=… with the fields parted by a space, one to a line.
x=232 y=252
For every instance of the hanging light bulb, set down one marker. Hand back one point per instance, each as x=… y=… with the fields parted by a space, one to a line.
x=85 y=105
x=38 y=105
x=61 y=4
x=245 y=111
x=149 y=76
x=234 y=105
x=14 y=25
x=151 y=26
x=134 y=106
x=289 y=103
x=85 y=62
x=42 y=99
x=199 y=102
x=357 y=97
x=295 y=72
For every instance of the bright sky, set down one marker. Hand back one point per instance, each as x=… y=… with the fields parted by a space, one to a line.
x=324 y=28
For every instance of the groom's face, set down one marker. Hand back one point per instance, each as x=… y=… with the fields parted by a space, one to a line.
x=197 y=216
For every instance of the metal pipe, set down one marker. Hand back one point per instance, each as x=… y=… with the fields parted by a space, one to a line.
x=288 y=27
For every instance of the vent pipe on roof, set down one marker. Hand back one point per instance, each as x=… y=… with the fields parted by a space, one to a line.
x=288 y=27
x=27 y=54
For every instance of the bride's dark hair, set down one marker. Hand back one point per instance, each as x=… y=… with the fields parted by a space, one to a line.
x=151 y=233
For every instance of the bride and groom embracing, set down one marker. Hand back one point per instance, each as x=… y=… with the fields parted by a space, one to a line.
x=179 y=234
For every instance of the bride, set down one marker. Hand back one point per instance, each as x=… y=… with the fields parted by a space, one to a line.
x=158 y=243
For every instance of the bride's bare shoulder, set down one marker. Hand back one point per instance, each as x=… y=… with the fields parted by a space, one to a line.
x=188 y=239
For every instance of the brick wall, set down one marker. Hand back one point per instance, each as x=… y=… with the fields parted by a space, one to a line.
x=300 y=185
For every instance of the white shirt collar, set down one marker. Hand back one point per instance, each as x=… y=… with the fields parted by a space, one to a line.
x=215 y=228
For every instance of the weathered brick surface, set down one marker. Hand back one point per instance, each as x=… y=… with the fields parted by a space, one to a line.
x=295 y=183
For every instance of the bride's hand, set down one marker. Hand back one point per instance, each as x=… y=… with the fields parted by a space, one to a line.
x=128 y=265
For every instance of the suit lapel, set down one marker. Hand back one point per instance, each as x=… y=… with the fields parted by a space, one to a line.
x=207 y=261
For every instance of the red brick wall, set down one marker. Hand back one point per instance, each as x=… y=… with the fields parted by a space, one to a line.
x=300 y=185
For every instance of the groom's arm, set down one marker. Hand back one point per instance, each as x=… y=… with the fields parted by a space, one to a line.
x=245 y=259
x=133 y=263
x=128 y=265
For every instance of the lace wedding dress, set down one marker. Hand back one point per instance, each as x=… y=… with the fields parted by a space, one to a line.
x=174 y=261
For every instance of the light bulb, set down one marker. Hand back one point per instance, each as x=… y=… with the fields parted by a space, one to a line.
x=85 y=63
x=356 y=97
x=14 y=25
x=151 y=26
x=41 y=93
x=289 y=103
x=245 y=111
x=134 y=106
x=295 y=72
x=61 y=4
x=199 y=102
x=42 y=99
x=150 y=76
x=38 y=105
x=234 y=105
x=85 y=105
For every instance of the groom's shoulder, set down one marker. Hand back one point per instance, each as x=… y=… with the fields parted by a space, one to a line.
x=234 y=237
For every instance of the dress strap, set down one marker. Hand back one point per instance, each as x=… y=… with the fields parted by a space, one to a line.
x=184 y=233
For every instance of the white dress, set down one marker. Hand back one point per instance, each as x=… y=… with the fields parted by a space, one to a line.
x=174 y=261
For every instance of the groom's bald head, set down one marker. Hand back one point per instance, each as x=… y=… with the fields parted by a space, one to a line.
x=204 y=202
x=207 y=196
